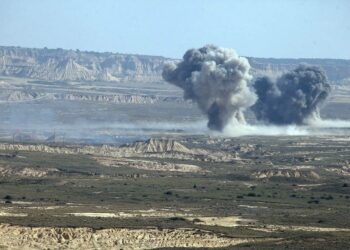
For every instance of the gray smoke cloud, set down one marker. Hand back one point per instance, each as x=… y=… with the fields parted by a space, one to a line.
x=291 y=98
x=216 y=79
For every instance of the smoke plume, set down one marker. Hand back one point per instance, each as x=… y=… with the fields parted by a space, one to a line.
x=216 y=79
x=292 y=98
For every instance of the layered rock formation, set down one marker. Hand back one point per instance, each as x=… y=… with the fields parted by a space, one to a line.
x=286 y=173
x=17 y=237
x=69 y=65
x=75 y=65
x=160 y=146
x=25 y=95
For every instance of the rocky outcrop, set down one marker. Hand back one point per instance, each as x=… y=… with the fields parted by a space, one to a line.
x=14 y=96
x=70 y=65
x=342 y=169
x=17 y=237
x=6 y=171
x=160 y=146
x=24 y=95
x=148 y=165
x=286 y=173
x=74 y=65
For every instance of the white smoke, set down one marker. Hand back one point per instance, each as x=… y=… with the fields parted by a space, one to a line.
x=238 y=129
x=313 y=127
x=318 y=122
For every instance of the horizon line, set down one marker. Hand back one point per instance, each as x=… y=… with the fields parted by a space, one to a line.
x=171 y=58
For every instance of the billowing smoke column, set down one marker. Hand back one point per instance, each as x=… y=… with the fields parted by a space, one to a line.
x=216 y=78
x=293 y=97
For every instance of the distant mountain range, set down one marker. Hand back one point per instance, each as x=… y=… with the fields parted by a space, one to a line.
x=75 y=65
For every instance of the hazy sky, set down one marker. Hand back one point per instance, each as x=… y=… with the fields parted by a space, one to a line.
x=271 y=28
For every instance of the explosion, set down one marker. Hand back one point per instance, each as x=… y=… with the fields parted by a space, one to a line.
x=216 y=79
x=292 y=98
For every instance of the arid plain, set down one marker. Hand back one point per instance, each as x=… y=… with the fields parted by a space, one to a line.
x=133 y=166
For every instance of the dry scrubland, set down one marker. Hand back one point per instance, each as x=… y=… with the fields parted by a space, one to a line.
x=68 y=180
x=184 y=191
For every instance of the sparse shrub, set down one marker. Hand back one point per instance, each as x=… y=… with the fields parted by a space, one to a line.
x=240 y=197
x=8 y=197
x=168 y=193
x=345 y=185
x=194 y=186
x=196 y=220
x=327 y=197
x=251 y=194
x=8 y=202
x=313 y=201
x=177 y=219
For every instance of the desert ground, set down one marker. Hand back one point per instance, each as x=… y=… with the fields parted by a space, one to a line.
x=116 y=166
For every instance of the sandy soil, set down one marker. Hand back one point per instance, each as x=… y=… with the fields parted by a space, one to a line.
x=229 y=221
x=253 y=207
x=12 y=214
x=148 y=165
x=137 y=213
x=274 y=228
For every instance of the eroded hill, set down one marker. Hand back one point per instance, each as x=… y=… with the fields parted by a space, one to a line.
x=75 y=65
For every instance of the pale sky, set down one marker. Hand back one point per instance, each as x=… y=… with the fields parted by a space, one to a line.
x=260 y=28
